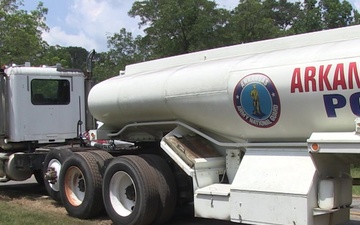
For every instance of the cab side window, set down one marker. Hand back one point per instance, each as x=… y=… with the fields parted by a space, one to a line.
x=50 y=92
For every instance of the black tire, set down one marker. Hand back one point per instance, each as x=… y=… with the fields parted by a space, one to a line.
x=54 y=158
x=130 y=192
x=80 y=186
x=166 y=187
x=104 y=155
x=101 y=156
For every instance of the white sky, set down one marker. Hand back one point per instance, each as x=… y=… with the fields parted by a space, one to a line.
x=87 y=23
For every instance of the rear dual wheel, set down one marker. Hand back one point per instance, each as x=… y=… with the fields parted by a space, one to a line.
x=166 y=186
x=81 y=183
x=133 y=190
x=129 y=191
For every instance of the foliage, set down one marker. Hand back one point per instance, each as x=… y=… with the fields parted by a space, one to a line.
x=51 y=55
x=283 y=13
x=175 y=27
x=70 y=57
x=325 y=14
x=335 y=13
x=124 y=48
x=20 y=32
x=105 y=67
x=251 y=21
x=171 y=27
x=309 y=18
x=21 y=39
x=77 y=57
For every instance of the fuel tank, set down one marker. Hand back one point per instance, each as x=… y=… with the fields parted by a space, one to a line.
x=275 y=90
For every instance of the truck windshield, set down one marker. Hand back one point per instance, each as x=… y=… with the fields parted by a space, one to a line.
x=50 y=92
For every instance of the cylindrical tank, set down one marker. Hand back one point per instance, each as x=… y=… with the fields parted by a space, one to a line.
x=276 y=90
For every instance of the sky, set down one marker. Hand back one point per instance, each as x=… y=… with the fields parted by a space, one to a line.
x=87 y=23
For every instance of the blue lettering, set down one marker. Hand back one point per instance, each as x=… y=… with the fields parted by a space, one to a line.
x=355 y=104
x=333 y=102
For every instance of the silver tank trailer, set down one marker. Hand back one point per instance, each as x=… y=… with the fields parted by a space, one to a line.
x=274 y=90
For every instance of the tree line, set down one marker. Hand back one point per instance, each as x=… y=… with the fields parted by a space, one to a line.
x=171 y=28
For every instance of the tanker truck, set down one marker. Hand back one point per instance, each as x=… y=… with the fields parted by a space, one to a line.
x=265 y=131
x=257 y=133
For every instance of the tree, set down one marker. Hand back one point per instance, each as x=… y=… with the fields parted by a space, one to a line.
x=309 y=18
x=78 y=57
x=325 y=14
x=9 y=6
x=175 y=27
x=282 y=12
x=104 y=68
x=124 y=48
x=336 y=14
x=251 y=21
x=21 y=32
x=53 y=55
x=356 y=17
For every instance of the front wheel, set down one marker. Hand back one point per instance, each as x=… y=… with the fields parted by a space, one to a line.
x=130 y=192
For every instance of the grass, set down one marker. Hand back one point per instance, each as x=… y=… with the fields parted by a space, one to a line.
x=16 y=214
x=17 y=208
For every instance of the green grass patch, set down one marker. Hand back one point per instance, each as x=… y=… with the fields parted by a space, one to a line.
x=17 y=214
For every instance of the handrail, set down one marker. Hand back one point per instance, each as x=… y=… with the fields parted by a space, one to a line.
x=214 y=141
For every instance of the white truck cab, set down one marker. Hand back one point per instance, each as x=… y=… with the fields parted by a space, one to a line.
x=38 y=106
x=42 y=104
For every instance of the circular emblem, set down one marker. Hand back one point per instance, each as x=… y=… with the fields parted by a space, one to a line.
x=256 y=100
